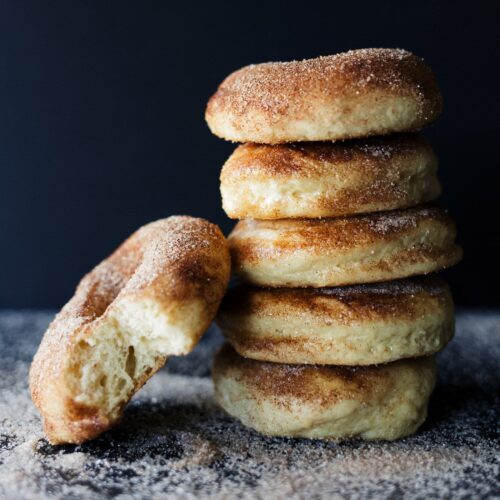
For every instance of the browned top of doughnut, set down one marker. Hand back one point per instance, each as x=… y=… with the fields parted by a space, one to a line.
x=312 y=159
x=178 y=245
x=405 y=298
x=339 y=233
x=270 y=89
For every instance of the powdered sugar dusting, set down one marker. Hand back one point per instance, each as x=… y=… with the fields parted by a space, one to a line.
x=414 y=286
x=383 y=151
x=397 y=220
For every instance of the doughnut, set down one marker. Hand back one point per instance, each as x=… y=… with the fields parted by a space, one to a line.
x=152 y=298
x=366 y=248
x=325 y=402
x=321 y=179
x=353 y=325
x=348 y=95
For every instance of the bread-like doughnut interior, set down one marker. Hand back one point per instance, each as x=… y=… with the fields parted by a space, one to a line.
x=153 y=298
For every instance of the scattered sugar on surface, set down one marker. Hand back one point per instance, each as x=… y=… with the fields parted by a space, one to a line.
x=175 y=442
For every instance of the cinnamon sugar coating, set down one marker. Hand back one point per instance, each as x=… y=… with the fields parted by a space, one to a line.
x=353 y=94
x=153 y=297
x=327 y=402
x=353 y=325
x=321 y=179
x=344 y=250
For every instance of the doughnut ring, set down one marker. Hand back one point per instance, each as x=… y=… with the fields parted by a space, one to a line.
x=328 y=179
x=326 y=402
x=353 y=325
x=381 y=246
x=152 y=298
x=352 y=94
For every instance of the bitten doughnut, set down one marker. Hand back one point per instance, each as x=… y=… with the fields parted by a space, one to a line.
x=353 y=325
x=367 y=248
x=353 y=94
x=328 y=179
x=329 y=402
x=152 y=298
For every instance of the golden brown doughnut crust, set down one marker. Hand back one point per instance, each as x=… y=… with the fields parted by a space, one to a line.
x=327 y=402
x=353 y=325
x=169 y=276
x=367 y=248
x=322 y=179
x=352 y=94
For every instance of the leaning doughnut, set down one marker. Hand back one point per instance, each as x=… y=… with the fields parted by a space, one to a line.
x=367 y=248
x=325 y=402
x=152 y=298
x=353 y=94
x=328 y=179
x=353 y=325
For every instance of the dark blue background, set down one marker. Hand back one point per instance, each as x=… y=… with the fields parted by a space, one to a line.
x=102 y=128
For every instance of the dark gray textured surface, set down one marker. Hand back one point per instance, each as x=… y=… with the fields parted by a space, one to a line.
x=175 y=442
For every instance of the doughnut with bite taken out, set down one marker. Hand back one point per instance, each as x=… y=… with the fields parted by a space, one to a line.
x=151 y=299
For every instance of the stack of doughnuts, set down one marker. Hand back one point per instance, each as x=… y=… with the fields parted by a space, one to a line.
x=333 y=327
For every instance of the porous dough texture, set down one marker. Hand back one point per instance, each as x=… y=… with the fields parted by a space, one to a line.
x=152 y=298
x=353 y=94
x=329 y=179
x=353 y=325
x=365 y=248
x=383 y=402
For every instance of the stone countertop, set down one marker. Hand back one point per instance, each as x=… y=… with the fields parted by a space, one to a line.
x=175 y=442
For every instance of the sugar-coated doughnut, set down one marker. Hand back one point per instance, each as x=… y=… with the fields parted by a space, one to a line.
x=152 y=298
x=328 y=402
x=353 y=325
x=353 y=94
x=381 y=246
x=322 y=179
